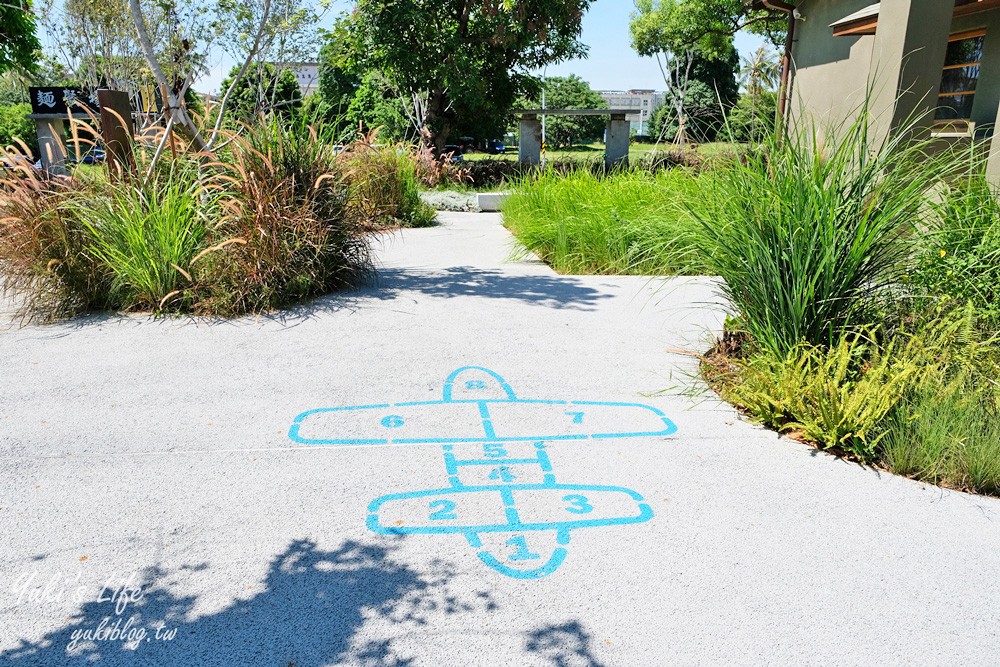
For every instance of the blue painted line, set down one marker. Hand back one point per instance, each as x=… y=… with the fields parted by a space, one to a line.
x=448 y=393
x=645 y=514
x=495 y=462
x=472 y=379
x=512 y=487
x=557 y=558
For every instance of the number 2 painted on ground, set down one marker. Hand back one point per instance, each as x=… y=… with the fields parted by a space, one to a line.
x=445 y=510
x=577 y=417
x=578 y=504
x=522 y=553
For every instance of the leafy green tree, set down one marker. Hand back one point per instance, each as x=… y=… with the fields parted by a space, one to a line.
x=699 y=73
x=707 y=25
x=262 y=89
x=759 y=72
x=464 y=62
x=710 y=92
x=18 y=42
x=570 y=92
x=14 y=124
x=374 y=106
x=753 y=117
x=339 y=72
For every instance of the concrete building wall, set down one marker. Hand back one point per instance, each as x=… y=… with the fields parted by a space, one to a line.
x=833 y=74
x=645 y=100
x=830 y=73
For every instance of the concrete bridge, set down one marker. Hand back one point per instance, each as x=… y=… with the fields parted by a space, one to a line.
x=616 y=141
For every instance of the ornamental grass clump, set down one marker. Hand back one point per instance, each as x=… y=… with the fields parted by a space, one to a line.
x=384 y=187
x=144 y=236
x=625 y=222
x=810 y=234
x=284 y=233
x=957 y=252
x=42 y=257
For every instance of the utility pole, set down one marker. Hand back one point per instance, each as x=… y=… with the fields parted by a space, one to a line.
x=543 y=115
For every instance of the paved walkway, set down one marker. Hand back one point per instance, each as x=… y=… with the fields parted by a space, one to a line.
x=150 y=483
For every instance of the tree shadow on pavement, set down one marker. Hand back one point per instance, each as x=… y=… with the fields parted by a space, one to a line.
x=310 y=612
x=564 y=645
x=542 y=290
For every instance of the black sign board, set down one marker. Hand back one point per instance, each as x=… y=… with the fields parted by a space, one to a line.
x=58 y=100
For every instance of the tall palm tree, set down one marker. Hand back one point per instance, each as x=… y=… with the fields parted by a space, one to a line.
x=759 y=72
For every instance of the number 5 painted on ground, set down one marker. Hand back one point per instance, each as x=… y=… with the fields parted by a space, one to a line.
x=577 y=417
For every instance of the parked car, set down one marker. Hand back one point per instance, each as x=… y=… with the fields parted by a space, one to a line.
x=14 y=161
x=454 y=153
x=495 y=147
x=95 y=155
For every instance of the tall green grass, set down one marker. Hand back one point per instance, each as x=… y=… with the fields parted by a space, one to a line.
x=810 y=233
x=957 y=251
x=627 y=222
x=947 y=435
x=145 y=236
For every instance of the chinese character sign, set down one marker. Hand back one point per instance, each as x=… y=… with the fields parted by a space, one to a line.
x=58 y=100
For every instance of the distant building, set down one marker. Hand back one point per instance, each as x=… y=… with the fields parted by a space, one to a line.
x=307 y=75
x=646 y=99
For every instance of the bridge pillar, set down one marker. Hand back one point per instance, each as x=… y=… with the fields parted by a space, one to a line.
x=529 y=140
x=616 y=141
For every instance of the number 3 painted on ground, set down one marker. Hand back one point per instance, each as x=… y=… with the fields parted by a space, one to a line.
x=578 y=504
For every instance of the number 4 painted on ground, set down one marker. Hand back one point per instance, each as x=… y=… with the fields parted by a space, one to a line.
x=577 y=417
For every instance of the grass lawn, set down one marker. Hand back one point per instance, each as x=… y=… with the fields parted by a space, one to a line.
x=595 y=151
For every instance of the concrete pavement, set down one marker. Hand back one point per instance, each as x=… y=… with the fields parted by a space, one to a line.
x=179 y=492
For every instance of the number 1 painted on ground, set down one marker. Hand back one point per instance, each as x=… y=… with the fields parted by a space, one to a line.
x=522 y=553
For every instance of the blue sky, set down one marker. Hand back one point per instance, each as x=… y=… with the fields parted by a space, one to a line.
x=612 y=64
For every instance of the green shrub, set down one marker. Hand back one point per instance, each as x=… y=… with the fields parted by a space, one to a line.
x=628 y=222
x=144 y=235
x=809 y=233
x=384 y=187
x=837 y=397
x=14 y=126
x=957 y=258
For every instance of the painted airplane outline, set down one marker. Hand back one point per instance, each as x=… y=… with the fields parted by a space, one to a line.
x=448 y=500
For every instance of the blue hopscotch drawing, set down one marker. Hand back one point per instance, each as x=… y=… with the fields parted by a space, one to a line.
x=503 y=496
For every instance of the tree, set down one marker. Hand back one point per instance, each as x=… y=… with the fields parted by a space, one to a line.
x=464 y=62
x=374 y=105
x=710 y=24
x=18 y=42
x=14 y=124
x=570 y=92
x=261 y=89
x=339 y=73
x=759 y=72
x=753 y=117
x=700 y=76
